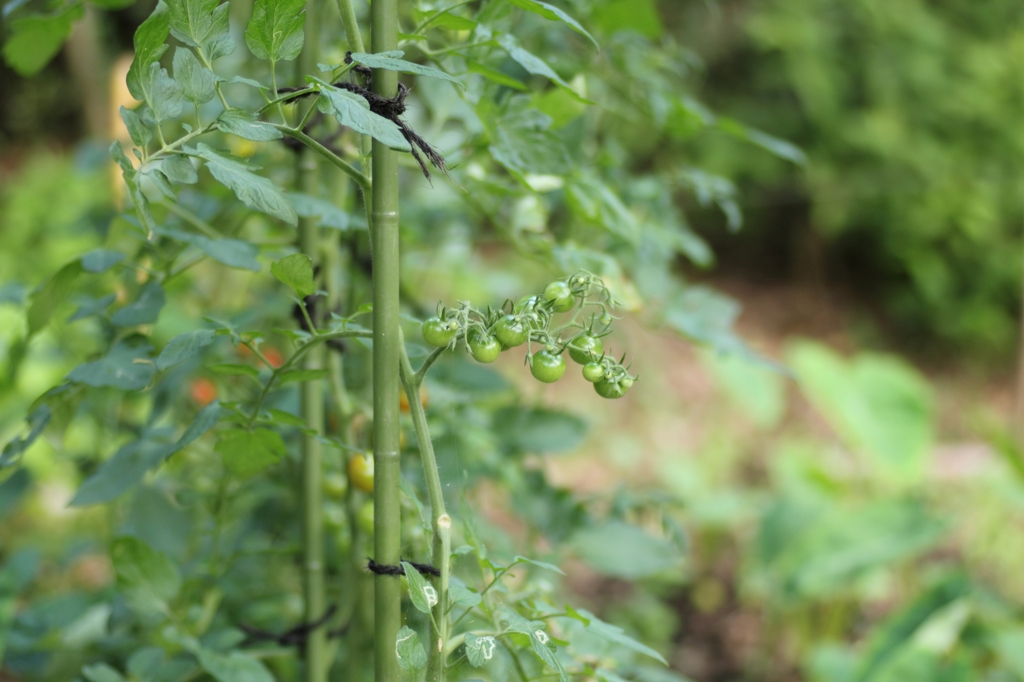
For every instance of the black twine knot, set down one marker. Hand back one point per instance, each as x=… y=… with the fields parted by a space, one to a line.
x=387 y=569
x=296 y=636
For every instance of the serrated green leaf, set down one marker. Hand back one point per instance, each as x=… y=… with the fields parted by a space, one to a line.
x=118 y=368
x=137 y=130
x=275 y=29
x=536 y=65
x=205 y=420
x=196 y=81
x=149 y=579
x=161 y=92
x=494 y=76
x=245 y=125
x=235 y=666
x=234 y=369
x=460 y=595
x=353 y=111
x=34 y=40
x=45 y=300
x=184 y=346
x=296 y=271
x=313 y=207
x=234 y=253
x=149 y=47
x=202 y=24
x=422 y=593
x=479 y=650
x=302 y=375
x=143 y=310
x=247 y=453
x=409 y=650
x=252 y=190
x=618 y=636
x=179 y=168
x=130 y=175
x=554 y=14
x=393 y=63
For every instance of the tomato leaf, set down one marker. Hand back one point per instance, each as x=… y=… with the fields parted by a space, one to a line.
x=252 y=190
x=149 y=579
x=353 y=111
x=247 y=453
x=554 y=14
x=143 y=310
x=275 y=29
x=126 y=366
x=392 y=62
x=245 y=125
x=196 y=81
x=149 y=47
x=297 y=272
x=409 y=650
x=202 y=24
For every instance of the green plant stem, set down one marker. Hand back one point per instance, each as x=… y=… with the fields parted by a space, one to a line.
x=440 y=520
x=355 y=40
x=386 y=349
x=311 y=396
x=353 y=172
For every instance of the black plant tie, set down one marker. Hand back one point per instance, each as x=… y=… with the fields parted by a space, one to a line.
x=385 y=569
x=390 y=108
x=297 y=636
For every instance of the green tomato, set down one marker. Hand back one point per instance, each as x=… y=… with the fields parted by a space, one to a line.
x=335 y=485
x=527 y=304
x=438 y=332
x=585 y=348
x=511 y=331
x=484 y=347
x=593 y=371
x=365 y=518
x=547 y=367
x=609 y=389
x=625 y=383
x=560 y=296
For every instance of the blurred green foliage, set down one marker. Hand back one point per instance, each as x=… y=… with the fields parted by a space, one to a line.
x=910 y=113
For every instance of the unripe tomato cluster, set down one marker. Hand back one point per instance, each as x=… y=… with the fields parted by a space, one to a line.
x=570 y=315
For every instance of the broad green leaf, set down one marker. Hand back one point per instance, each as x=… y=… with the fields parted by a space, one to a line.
x=196 y=81
x=879 y=404
x=495 y=76
x=353 y=111
x=618 y=636
x=234 y=369
x=302 y=375
x=554 y=14
x=536 y=65
x=296 y=271
x=37 y=421
x=541 y=644
x=143 y=310
x=640 y=16
x=184 y=346
x=247 y=453
x=461 y=595
x=90 y=306
x=245 y=125
x=235 y=666
x=119 y=473
x=275 y=29
x=34 y=40
x=161 y=92
x=409 y=650
x=202 y=24
x=510 y=621
x=595 y=202
x=479 y=650
x=99 y=261
x=45 y=300
x=539 y=430
x=234 y=253
x=618 y=549
x=393 y=63
x=126 y=367
x=101 y=672
x=146 y=577
x=178 y=168
x=205 y=420
x=149 y=47
x=254 y=191
x=452 y=22
x=137 y=130
x=422 y=594
x=313 y=207
x=523 y=144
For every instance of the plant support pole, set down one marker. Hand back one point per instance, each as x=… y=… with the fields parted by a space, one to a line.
x=312 y=401
x=384 y=242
